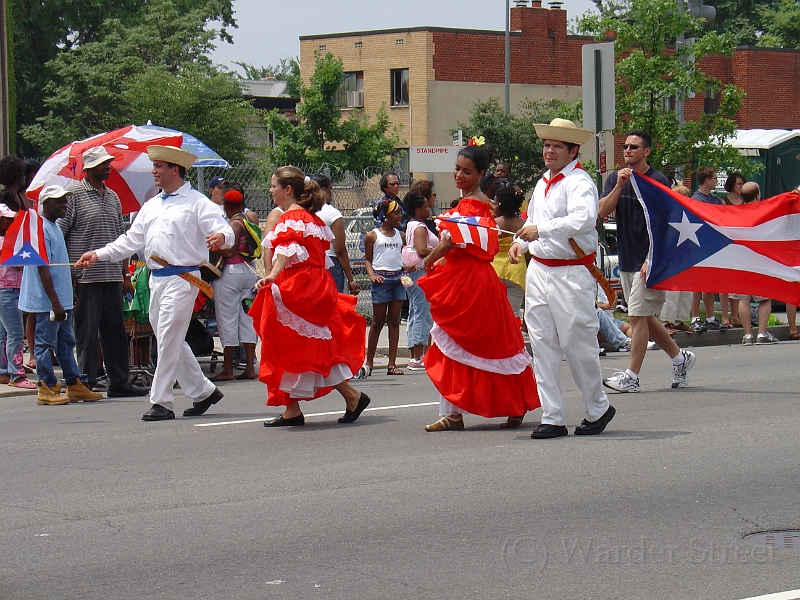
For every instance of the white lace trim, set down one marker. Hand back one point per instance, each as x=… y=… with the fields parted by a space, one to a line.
x=307 y=229
x=294 y=251
x=512 y=365
x=295 y=322
x=305 y=385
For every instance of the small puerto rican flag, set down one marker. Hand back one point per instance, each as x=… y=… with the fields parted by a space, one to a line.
x=24 y=244
x=480 y=231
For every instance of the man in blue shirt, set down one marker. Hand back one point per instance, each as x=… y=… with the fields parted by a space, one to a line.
x=46 y=293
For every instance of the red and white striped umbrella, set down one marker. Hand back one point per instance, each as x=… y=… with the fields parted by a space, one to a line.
x=131 y=171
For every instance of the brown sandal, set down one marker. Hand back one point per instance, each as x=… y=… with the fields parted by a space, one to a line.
x=447 y=423
x=394 y=371
x=795 y=335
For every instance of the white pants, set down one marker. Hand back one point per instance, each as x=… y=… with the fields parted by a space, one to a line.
x=171 y=303
x=233 y=324
x=561 y=319
x=677 y=307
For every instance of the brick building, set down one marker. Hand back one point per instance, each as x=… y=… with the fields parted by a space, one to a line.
x=429 y=77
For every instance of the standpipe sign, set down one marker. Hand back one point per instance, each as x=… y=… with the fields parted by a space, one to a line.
x=432 y=159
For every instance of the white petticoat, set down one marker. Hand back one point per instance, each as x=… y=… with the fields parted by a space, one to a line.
x=305 y=385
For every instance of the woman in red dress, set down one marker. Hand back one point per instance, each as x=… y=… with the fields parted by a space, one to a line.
x=312 y=338
x=478 y=360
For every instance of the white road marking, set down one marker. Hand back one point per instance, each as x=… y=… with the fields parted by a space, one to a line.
x=793 y=595
x=322 y=414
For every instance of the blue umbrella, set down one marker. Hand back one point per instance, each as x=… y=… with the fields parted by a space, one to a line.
x=206 y=157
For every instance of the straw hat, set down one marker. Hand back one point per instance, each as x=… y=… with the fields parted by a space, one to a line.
x=562 y=130
x=171 y=154
x=95 y=156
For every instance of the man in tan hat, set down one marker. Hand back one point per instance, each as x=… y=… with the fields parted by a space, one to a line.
x=179 y=226
x=633 y=242
x=559 y=289
x=94 y=219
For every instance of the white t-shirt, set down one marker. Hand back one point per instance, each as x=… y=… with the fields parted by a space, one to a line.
x=329 y=214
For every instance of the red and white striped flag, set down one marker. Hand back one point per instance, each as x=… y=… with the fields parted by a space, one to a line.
x=24 y=244
x=480 y=231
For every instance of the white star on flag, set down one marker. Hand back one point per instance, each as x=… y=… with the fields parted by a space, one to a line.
x=25 y=254
x=687 y=230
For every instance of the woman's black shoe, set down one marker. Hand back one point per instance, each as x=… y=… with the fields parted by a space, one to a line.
x=281 y=422
x=350 y=416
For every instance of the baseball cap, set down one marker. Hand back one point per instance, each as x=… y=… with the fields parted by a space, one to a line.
x=5 y=211
x=216 y=182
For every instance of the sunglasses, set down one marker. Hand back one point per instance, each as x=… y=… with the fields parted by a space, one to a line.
x=393 y=183
x=630 y=146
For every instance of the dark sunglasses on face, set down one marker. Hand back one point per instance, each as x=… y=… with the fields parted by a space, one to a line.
x=393 y=183
x=630 y=146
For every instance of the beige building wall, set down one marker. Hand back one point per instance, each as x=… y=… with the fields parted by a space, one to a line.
x=377 y=55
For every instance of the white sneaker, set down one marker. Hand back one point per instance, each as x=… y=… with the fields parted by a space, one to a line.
x=766 y=338
x=622 y=382
x=625 y=346
x=680 y=373
x=416 y=365
x=747 y=339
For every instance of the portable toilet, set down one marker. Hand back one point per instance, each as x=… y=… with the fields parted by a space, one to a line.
x=779 y=151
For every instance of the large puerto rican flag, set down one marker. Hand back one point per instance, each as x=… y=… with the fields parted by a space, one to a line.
x=751 y=249
x=23 y=244
x=480 y=231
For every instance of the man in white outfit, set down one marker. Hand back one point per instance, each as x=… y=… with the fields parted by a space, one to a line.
x=559 y=289
x=179 y=225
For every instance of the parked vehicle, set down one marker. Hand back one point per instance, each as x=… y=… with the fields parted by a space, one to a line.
x=610 y=265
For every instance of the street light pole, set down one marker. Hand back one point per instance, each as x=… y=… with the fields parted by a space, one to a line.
x=508 y=58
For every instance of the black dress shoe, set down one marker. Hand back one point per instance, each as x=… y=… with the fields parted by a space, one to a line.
x=281 y=422
x=544 y=431
x=127 y=390
x=158 y=413
x=198 y=408
x=350 y=416
x=587 y=428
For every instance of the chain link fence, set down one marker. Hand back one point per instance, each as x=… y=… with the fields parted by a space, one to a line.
x=354 y=194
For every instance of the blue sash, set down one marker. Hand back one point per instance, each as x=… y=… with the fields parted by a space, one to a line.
x=172 y=270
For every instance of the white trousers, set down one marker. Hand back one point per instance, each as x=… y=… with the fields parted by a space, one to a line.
x=233 y=324
x=677 y=307
x=562 y=321
x=171 y=303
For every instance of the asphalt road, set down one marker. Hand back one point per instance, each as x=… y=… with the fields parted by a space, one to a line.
x=95 y=503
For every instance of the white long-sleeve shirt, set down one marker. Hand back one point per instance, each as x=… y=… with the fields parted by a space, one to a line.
x=173 y=228
x=568 y=211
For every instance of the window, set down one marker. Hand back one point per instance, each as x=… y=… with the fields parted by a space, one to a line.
x=399 y=87
x=399 y=42
x=668 y=104
x=711 y=102
x=323 y=47
x=351 y=93
x=359 y=45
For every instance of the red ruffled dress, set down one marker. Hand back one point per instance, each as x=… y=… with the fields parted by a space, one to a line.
x=312 y=338
x=478 y=359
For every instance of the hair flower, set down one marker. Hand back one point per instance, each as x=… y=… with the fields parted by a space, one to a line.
x=476 y=141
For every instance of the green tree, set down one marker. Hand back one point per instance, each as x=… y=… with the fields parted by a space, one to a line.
x=781 y=24
x=207 y=105
x=322 y=136
x=512 y=138
x=288 y=70
x=45 y=31
x=650 y=75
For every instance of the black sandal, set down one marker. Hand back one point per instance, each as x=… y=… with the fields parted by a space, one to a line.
x=394 y=371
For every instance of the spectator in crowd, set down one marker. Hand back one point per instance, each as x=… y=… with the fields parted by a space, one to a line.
x=733 y=185
x=613 y=331
x=238 y=278
x=505 y=207
x=791 y=317
x=337 y=252
x=424 y=187
x=489 y=185
x=644 y=304
x=216 y=189
x=178 y=226
x=707 y=182
x=419 y=243
x=93 y=219
x=678 y=305
x=384 y=261
x=46 y=292
x=503 y=171
x=12 y=330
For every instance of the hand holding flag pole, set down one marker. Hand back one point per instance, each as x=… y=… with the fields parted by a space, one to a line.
x=474 y=222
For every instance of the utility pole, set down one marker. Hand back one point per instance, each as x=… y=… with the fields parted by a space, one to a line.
x=508 y=58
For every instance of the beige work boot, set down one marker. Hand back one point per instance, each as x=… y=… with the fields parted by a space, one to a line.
x=47 y=395
x=78 y=391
